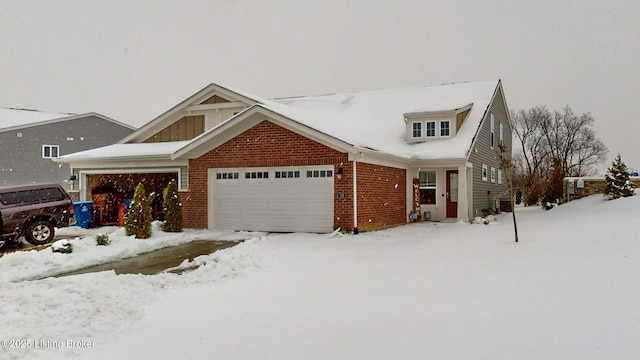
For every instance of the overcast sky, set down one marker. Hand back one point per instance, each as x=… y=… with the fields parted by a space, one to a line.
x=132 y=60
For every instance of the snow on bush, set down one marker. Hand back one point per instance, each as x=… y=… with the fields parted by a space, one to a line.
x=62 y=246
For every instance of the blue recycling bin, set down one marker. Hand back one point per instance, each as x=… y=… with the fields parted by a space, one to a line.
x=83 y=211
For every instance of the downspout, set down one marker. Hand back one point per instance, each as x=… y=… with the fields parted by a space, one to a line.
x=355 y=200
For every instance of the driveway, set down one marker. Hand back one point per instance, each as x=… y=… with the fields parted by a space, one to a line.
x=159 y=260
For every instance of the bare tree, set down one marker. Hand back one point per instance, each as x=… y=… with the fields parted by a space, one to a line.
x=544 y=136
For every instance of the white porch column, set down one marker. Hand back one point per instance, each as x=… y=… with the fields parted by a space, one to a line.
x=463 y=192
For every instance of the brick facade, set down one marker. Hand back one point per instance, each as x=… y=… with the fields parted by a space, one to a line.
x=267 y=145
x=381 y=196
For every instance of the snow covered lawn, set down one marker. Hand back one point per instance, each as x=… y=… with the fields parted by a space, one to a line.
x=569 y=289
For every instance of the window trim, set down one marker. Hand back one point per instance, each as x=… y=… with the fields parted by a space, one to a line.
x=426 y=129
x=493 y=174
x=429 y=186
x=413 y=129
x=484 y=173
x=448 y=128
x=499 y=176
x=501 y=133
x=50 y=149
x=492 y=121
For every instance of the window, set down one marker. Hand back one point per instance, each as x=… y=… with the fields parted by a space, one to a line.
x=427 y=187
x=256 y=175
x=319 y=173
x=431 y=129
x=493 y=174
x=501 y=133
x=50 y=151
x=48 y=194
x=227 y=176
x=499 y=176
x=417 y=129
x=444 y=128
x=287 y=174
x=484 y=172
x=493 y=120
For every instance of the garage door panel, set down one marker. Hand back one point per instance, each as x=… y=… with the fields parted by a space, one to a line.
x=271 y=203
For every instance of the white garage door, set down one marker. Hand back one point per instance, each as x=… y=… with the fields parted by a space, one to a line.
x=287 y=199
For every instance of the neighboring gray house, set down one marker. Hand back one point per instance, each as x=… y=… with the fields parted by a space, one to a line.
x=29 y=139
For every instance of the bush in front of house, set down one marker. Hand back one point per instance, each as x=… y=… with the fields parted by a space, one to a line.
x=172 y=208
x=62 y=246
x=139 y=217
x=617 y=182
x=102 y=240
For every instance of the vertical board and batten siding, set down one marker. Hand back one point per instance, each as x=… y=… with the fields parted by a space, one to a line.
x=186 y=128
x=482 y=153
x=22 y=163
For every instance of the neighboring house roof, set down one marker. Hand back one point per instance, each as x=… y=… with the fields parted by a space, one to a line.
x=14 y=119
x=369 y=120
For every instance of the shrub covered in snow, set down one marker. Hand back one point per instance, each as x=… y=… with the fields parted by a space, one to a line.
x=484 y=220
x=103 y=239
x=62 y=246
x=617 y=180
x=172 y=208
x=138 y=221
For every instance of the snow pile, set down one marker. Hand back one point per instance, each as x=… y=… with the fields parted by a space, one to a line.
x=568 y=289
x=30 y=265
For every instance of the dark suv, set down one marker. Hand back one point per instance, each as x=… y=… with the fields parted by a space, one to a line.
x=34 y=211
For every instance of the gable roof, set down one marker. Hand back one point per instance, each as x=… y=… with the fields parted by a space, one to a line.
x=374 y=119
x=371 y=121
x=15 y=119
x=166 y=118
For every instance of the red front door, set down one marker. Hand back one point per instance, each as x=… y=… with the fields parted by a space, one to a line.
x=452 y=193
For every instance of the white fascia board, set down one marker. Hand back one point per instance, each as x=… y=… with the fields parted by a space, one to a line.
x=449 y=112
x=125 y=163
x=159 y=122
x=440 y=163
x=484 y=117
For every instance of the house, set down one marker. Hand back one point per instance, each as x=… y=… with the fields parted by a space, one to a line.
x=29 y=139
x=359 y=161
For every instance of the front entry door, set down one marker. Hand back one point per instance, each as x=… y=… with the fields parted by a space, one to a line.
x=452 y=193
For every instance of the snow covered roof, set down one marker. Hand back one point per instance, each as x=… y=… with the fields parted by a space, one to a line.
x=368 y=120
x=162 y=150
x=374 y=119
x=13 y=119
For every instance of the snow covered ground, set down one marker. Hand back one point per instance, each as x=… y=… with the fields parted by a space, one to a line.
x=568 y=289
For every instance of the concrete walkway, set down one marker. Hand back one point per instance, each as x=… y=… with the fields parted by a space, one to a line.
x=159 y=260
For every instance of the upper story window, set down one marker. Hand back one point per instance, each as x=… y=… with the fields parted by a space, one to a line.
x=445 y=129
x=431 y=129
x=493 y=132
x=501 y=133
x=50 y=151
x=417 y=129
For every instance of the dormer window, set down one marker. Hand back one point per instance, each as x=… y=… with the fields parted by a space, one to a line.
x=417 y=129
x=431 y=129
x=434 y=123
x=445 y=129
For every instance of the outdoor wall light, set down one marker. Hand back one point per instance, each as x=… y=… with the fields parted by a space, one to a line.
x=339 y=174
x=73 y=178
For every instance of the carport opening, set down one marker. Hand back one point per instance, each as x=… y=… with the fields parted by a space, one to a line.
x=111 y=193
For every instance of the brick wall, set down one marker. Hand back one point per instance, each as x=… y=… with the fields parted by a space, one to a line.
x=381 y=196
x=266 y=145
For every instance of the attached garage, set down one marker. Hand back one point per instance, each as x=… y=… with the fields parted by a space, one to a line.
x=277 y=199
